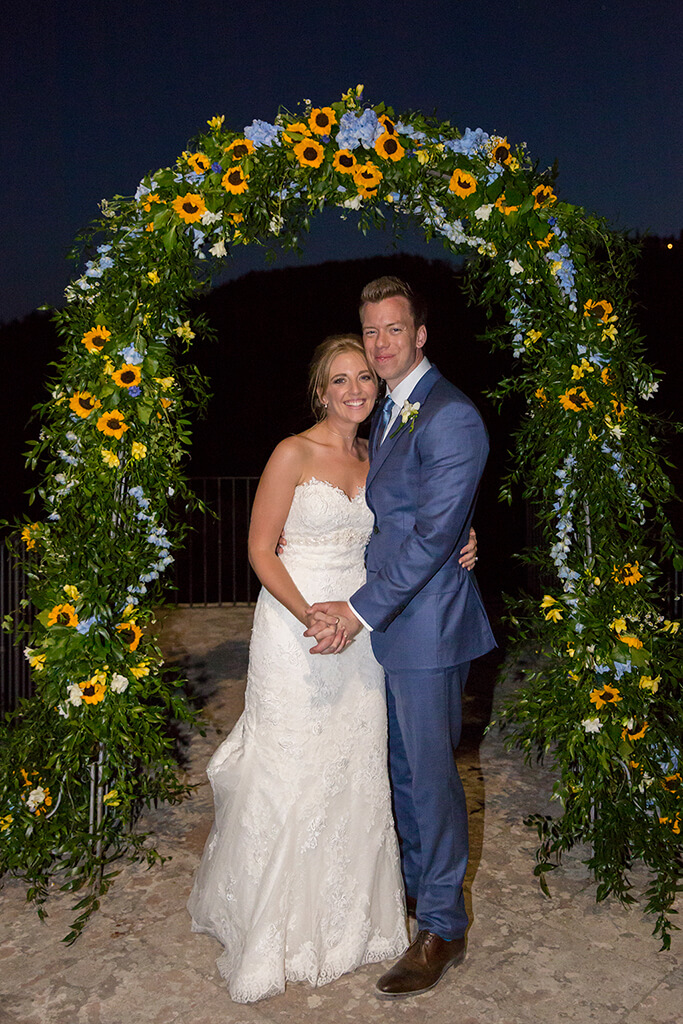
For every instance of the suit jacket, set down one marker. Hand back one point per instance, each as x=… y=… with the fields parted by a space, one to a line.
x=425 y=609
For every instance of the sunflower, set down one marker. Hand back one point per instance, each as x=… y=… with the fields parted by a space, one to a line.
x=235 y=181
x=625 y=734
x=83 y=403
x=151 y=197
x=128 y=376
x=500 y=151
x=199 y=162
x=502 y=205
x=462 y=183
x=544 y=243
x=62 y=615
x=344 y=161
x=575 y=400
x=309 y=153
x=387 y=124
x=619 y=408
x=112 y=424
x=608 y=695
x=96 y=339
x=540 y=394
x=600 y=309
x=543 y=196
x=298 y=128
x=628 y=574
x=321 y=120
x=239 y=148
x=367 y=178
x=131 y=634
x=93 y=690
x=389 y=147
x=190 y=207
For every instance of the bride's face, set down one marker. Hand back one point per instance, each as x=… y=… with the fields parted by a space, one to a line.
x=351 y=390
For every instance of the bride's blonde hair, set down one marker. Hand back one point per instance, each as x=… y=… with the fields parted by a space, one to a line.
x=319 y=370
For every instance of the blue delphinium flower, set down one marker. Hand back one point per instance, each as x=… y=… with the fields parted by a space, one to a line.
x=131 y=356
x=261 y=133
x=472 y=141
x=409 y=131
x=359 y=130
x=216 y=168
x=84 y=625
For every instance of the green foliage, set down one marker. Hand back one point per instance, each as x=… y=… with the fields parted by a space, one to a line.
x=603 y=702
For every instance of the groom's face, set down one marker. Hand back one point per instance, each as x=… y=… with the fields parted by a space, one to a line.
x=393 y=344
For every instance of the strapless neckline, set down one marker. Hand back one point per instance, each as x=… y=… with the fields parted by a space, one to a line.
x=340 y=490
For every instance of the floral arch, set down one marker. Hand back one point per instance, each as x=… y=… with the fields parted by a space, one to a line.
x=603 y=701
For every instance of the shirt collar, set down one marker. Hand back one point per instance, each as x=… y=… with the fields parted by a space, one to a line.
x=403 y=390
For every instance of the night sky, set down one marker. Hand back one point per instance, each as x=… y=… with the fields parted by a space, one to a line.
x=97 y=95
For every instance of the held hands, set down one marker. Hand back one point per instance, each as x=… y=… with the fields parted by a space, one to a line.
x=333 y=625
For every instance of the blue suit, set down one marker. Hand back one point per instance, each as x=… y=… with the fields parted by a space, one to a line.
x=428 y=624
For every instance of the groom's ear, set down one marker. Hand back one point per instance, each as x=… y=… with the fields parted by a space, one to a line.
x=421 y=336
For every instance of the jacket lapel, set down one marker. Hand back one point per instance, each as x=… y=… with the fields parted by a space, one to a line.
x=418 y=394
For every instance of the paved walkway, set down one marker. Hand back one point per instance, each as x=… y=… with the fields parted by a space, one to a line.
x=530 y=959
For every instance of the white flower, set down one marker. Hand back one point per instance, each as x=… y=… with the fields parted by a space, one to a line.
x=515 y=267
x=211 y=218
x=75 y=695
x=483 y=212
x=218 y=249
x=353 y=204
x=35 y=798
x=119 y=683
x=63 y=710
x=648 y=390
x=409 y=411
x=592 y=724
x=276 y=225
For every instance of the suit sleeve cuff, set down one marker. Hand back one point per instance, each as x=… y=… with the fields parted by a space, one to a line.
x=360 y=617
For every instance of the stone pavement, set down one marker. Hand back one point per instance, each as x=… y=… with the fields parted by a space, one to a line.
x=530 y=959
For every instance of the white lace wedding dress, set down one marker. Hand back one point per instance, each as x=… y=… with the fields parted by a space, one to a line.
x=300 y=877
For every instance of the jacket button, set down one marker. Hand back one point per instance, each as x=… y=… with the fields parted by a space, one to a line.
x=375 y=529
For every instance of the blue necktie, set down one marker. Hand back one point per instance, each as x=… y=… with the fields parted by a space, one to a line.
x=387 y=407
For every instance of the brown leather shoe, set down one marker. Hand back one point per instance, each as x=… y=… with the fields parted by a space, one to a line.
x=421 y=967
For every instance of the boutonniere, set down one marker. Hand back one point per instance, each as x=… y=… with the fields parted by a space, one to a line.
x=408 y=412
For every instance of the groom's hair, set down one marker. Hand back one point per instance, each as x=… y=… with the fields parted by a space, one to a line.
x=390 y=287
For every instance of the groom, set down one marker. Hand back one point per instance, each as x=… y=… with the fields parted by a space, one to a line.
x=428 y=447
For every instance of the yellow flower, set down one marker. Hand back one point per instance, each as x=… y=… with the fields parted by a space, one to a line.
x=6 y=822
x=199 y=162
x=185 y=331
x=235 y=181
x=631 y=641
x=388 y=146
x=140 y=671
x=629 y=574
x=462 y=183
x=575 y=400
x=607 y=376
x=71 y=592
x=321 y=120
x=422 y=156
x=619 y=408
x=579 y=369
x=387 y=124
x=608 y=695
x=111 y=798
x=131 y=634
x=544 y=243
x=543 y=196
x=297 y=128
x=597 y=581
x=93 y=689
x=62 y=615
x=153 y=276
x=367 y=177
x=502 y=204
x=344 y=161
x=216 y=122
x=29 y=534
x=609 y=333
x=499 y=150
x=672 y=783
x=128 y=376
x=190 y=207
x=309 y=153
x=138 y=450
x=571 y=651
x=96 y=339
x=37 y=662
x=107 y=366
x=112 y=424
x=239 y=148
x=532 y=337
x=148 y=199
x=83 y=403
x=625 y=734
x=670 y=627
x=599 y=309
x=540 y=394
x=619 y=625
x=548 y=601
x=554 y=614
x=110 y=458
x=166 y=382
x=674 y=822
x=648 y=683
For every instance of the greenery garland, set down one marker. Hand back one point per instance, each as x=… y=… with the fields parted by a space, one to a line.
x=603 y=701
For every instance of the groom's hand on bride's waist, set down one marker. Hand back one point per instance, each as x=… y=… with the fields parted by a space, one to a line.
x=333 y=625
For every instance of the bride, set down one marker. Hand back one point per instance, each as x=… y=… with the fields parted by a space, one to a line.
x=300 y=879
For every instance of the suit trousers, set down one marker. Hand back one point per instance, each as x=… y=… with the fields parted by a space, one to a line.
x=425 y=718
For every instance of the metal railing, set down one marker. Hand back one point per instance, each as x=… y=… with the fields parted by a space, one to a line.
x=15 y=674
